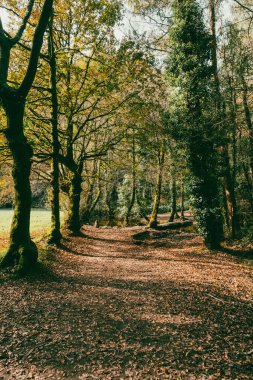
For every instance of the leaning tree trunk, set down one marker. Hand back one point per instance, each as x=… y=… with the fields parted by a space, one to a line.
x=73 y=223
x=22 y=251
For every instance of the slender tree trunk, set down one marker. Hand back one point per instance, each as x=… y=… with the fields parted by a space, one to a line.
x=249 y=186
x=111 y=201
x=182 y=199
x=91 y=207
x=131 y=205
x=141 y=208
x=230 y=196
x=22 y=251
x=90 y=202
x=55 y=233
x=158 y=188
x=249 y=124
x=174 y=213
x=228 y=181
x=133 y=194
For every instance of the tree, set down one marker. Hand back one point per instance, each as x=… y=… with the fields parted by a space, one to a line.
x=22 y=251
x=191 y=76
x=221 y=120
x=55 y=232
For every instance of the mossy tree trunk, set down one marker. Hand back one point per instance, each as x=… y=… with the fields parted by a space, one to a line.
x=182 y=216
x=55 y=232
x=205 y=190
x=111 y=202
x=133 y=192
x=73 y=222
x=86 y=217
x=22 y=251
x=173 y=213
x=249 y=124
x=130 y=206
x=91 y=201
x=231 y=203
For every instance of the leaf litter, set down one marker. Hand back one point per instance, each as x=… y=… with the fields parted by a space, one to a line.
x=127 y=304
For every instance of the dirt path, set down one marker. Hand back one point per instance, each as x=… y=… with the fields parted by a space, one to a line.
x=127 y=304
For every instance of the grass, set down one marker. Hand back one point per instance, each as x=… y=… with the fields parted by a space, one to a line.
x=40 y=220
x=40 y=225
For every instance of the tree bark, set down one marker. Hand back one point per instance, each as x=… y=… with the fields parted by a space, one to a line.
x=230 y=195
x=55 y=232
x=73 y=223
x=182 y=216
x=158 y=188
x=174 y=213
x=133 y=193
x=227 y=177
x=22 y=251
x=247 y=114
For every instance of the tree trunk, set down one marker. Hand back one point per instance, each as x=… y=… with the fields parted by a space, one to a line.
x=249 y=186
x=141 y=208
x=230 y=195
x=90 y=208
x=133 y=194
x=157 y=198
x=174 y=213
x=228 y=179
x=73 y=223
x=182 y=199
x=247 y=114
x=22 y=251
x=55 y=233
x=90 y=202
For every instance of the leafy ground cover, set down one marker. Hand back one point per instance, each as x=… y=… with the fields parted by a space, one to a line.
x=129 y=304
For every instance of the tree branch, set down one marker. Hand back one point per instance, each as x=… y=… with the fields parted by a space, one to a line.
x=36 y=47
x=21 y=30
x=243 y=6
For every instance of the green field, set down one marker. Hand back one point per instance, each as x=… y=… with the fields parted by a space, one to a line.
x=40 y=220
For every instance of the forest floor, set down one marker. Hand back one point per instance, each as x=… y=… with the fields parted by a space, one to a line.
x=129 y=304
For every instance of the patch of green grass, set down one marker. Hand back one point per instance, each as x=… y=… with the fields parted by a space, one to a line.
x=40 y=220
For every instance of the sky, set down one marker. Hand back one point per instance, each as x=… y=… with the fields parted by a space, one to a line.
x=3 y=16
x=144 y=25
x=136 y=22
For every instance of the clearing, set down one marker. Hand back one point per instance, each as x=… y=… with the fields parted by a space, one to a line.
x=40 y=220
x=129 y=304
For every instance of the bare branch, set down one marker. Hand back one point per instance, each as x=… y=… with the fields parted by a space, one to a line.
x=36 y=47
x=243 y=6
x=21 y=30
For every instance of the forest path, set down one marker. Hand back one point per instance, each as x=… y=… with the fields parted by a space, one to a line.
x=129 y=304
